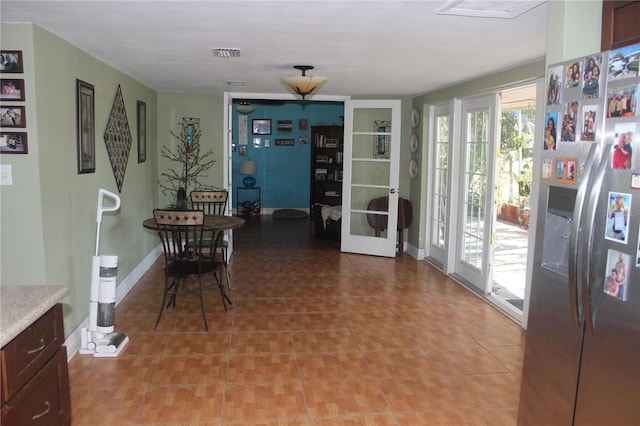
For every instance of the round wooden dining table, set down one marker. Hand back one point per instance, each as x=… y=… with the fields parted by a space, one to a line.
x=212 y=222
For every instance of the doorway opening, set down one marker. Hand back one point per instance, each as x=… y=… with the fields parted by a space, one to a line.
x=514 y=183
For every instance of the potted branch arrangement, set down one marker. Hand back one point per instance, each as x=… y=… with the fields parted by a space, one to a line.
x=193 y=163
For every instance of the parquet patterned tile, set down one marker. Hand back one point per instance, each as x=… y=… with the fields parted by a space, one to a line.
x=77 y=365
x=145 y=344
x=135 y=323
x=299 y=422
x=296 y=305
x=324 y=341
x=317 y=321
x=371 y=319
x=511 y=356
x=366 y=303
x=191 y=370
x=402 y=363
x=501 y=390
x=91 y=407
x=350 y=340
x=260 y=322
x=450 y=337
x=342 y=398
x=457 y=417
x=261 y=342
x=306 y=290
x=429 y=393
x=374 y=420
x=499 y=416
x=469 y=360
x=257 y=291
x=433 y=317
x=328 y=366
x=263 y=367
x=259 y=402
x=262 y=306
x=181 y=404
x=189 y=322
x=497 y=335
x=122 y=371
x=384 y=338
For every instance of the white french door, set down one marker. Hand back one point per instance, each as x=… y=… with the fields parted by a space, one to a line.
x=371 y=171
x=476 y=212
x=439 y=167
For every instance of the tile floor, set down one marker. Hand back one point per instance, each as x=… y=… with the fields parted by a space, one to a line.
x=316 y=337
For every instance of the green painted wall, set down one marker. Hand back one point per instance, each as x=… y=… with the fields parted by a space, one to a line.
x=22 y=252
x=209 y=108
x=48 y=215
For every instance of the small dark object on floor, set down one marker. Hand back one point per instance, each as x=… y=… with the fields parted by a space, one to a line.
x=289 y=214
x=518 y=303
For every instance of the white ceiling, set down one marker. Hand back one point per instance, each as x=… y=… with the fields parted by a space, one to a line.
x=365 y=48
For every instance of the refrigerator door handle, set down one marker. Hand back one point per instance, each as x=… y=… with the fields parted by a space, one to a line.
x=575 y=261
x=596 y=190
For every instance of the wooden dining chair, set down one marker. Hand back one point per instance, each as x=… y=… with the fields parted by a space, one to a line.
x=215 y=202
x=182 y=235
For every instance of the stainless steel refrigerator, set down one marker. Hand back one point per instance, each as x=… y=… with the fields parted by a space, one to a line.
x=582 y=356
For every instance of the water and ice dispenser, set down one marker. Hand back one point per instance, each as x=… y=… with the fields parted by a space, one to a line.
x=557 y=229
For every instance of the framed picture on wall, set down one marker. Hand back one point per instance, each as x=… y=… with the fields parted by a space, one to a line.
x=12 y=89
x=11 y=61
x=261 y=126
x=13 y=143
x=142 y=132
x=86 y=133
x=12 y=116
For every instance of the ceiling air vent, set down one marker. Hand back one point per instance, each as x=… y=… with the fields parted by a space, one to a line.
x=225 y=52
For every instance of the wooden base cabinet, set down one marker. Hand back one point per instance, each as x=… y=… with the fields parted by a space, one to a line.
x=35 y=375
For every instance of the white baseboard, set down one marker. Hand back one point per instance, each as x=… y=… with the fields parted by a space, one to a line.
x=414 y=252
x=72 y=342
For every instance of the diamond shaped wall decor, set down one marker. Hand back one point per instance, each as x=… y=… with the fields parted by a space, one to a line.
x=117 y=137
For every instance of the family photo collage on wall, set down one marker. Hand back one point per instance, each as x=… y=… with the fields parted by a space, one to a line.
x=13 y=117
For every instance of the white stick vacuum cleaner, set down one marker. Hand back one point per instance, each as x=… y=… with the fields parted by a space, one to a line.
x=99 y=339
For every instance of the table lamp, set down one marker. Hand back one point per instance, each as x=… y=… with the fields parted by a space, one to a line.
x=248 y=167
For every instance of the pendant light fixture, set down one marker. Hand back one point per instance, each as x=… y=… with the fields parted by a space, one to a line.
x=304 y=84
x=244 y=107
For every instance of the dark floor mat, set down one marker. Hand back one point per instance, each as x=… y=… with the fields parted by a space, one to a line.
x=289 y=214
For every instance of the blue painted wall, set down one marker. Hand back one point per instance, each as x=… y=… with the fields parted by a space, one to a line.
x=283 y=171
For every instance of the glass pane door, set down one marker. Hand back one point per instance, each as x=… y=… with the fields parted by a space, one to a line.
x=439 y=184
x=476 y=195
x=370 y=184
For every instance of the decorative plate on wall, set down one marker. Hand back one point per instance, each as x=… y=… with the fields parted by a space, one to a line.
x=415 y=117
x=413 y=169
x=414 y=143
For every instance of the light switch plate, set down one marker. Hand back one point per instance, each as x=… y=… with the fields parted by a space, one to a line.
x=6 y=178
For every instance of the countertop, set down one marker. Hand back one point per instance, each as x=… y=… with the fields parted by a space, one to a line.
x=21 y=306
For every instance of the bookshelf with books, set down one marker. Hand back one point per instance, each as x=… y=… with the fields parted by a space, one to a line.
x=326 y=165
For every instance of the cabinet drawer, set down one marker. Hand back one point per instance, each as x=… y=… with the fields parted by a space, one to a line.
x=26 y=354
x=45 y=400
